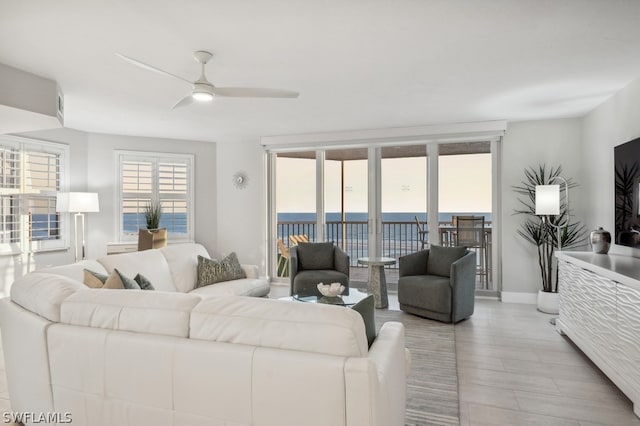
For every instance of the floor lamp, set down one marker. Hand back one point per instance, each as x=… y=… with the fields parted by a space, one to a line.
x=548 y=203
x=78 y=203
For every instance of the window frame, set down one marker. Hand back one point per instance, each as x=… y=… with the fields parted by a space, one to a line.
x=154 y=157
x=25 y=245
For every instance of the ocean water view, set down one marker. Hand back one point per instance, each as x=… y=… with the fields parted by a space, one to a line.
x=176 y=223
x=400 y=234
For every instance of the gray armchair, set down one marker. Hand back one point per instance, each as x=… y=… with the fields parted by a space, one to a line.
x=438 y=283
x=313 y=263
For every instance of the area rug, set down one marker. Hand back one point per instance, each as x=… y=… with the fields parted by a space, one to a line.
x=432 y=392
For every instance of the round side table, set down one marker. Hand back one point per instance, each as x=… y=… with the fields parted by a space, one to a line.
x=377 y=280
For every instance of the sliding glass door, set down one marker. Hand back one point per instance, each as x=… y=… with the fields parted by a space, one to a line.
x=295 y=204
x=403 y=171
x=346 y=192
x=381 y=200
x=465 y=193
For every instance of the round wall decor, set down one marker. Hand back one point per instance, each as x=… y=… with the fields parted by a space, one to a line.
x=240 y=180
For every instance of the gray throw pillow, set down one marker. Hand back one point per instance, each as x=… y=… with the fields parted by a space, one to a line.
x=315 y=256
x=440 y=259
x=366 y=308
x=211 y=271
x=143 y=282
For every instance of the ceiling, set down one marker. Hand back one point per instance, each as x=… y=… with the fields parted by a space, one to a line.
x=358 y=64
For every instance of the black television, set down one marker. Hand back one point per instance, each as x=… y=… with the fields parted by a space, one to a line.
x=627 y=193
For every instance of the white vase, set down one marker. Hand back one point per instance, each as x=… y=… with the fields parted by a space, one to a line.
x=548 y=302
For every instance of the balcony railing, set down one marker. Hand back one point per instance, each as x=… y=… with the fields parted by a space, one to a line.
x=398 y=239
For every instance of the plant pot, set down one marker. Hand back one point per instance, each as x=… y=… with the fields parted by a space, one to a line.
x=152 y=238
x=548 y=302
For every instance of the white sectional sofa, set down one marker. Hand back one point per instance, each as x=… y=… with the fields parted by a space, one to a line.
x=176 y=357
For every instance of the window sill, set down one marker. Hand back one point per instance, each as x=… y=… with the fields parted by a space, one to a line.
x=5 y=253
x=131 y=246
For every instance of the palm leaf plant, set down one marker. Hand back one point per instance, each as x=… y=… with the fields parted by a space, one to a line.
x=625 y=182
x=542 y=231
x=152 y=214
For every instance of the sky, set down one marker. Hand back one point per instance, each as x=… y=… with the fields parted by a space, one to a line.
x=464 y=184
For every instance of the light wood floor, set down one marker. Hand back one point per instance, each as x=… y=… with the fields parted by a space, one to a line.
x=513 y=369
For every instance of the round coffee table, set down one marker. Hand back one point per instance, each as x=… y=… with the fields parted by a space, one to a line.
x=377 y=280
x=350 y=299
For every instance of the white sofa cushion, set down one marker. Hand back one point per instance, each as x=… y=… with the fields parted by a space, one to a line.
x=251 y=271
x=309 y=327
x=150 y=263
x=130 y=310
x=76 y=270
x=242 y=287
x=183 y=263
x=43 y=293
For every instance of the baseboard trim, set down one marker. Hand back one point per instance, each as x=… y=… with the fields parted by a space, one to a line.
x=515 y=297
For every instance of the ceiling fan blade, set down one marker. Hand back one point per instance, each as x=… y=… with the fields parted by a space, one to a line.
x=254 y=92
x=187 y=100
x=150 y=67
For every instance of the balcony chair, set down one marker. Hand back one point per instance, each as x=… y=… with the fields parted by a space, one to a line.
x=423 y=234
x=283 y=261
x=438 y=283
x=470 y=233
x=313 y=263
x=294 y=240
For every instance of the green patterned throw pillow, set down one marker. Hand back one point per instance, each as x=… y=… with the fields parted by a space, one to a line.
x=143 y=282
x=211 y=271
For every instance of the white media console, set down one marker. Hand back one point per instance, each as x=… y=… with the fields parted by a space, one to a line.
x=600 y=312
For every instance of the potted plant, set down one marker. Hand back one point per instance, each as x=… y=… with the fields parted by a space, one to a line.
x=541 y=231
x=152 y=214
x=152 y=236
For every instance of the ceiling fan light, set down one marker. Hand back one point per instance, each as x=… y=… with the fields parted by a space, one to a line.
x=202 y=96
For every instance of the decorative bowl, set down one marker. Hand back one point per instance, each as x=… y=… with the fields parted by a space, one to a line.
x=330 y=290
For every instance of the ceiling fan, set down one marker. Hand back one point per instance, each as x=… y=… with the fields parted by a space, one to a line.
x=203 y=90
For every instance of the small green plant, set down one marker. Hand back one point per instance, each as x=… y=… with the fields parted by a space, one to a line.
x=152 y=214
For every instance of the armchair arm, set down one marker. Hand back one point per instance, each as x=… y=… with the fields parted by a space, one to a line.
x=414 y=263
x=341 y=260
x=293 y=266
x=463 y=286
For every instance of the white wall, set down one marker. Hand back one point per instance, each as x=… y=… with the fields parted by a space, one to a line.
x=528 y=144
x=102 y=179
x=612 y=123
x=242 y=212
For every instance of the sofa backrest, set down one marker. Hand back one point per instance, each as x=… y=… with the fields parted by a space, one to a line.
x=126 y=310
x=76 y=270
x=280 y=324
x=43 y=293
x=183 y=263
x=150 y=263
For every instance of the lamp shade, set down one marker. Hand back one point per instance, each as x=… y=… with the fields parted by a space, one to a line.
x=547 y=200
x=77 y=202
